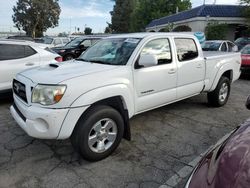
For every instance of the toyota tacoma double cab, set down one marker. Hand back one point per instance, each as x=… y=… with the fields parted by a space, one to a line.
x=91 y=99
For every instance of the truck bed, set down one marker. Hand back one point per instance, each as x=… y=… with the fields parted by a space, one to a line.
x=215 y=60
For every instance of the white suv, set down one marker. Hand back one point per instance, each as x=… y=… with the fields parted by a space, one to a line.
x=16 y=56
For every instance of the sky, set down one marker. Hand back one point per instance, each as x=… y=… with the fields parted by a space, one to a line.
x=80 y=14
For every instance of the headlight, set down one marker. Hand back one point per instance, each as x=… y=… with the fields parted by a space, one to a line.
x=48 y=94
x=61 y=51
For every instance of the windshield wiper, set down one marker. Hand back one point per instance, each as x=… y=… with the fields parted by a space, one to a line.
x=100 y=62
x=79 y=59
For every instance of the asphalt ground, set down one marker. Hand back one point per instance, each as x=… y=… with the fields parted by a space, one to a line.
x=164 y=141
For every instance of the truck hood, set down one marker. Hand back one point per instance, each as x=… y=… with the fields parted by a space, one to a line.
x=59 y=72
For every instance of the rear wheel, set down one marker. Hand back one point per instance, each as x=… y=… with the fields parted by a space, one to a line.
x=220 y=95
x=98 y=133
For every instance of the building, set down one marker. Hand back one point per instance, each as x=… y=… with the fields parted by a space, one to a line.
x=196 y=19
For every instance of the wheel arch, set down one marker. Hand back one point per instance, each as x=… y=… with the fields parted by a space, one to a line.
x=224 y=71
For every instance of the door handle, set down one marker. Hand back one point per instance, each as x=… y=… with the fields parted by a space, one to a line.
x=199 y=65
x=171 y=71
x=29 y=64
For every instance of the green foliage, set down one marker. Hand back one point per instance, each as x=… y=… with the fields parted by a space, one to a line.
x=182 y=28
x=88 y=31
x=36 y=16
x=135 y=15
x=108 y=30
x=246 y=12
x=121 y=15
x=216 y=31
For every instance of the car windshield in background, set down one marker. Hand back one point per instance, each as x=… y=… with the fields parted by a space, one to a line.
x=245 y=50
x=75 y=42
x=47 y=40
x=114 y=51
x=211 y=46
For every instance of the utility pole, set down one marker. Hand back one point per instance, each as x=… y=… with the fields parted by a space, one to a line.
x=204 y=2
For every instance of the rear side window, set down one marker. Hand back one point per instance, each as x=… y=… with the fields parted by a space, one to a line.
x=224 y=47
x=186 y=49
x=29 y=51
x=230 y=46
x=12 y=51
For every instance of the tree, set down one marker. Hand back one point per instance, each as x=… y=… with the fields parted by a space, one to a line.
x=121 y=15
x=135 y=15
x=36 y=16
x=88 y=31
x=216 y=31
x=148 y=10
x=246 y=13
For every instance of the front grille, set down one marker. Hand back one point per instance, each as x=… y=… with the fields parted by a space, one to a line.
x=20 y=90
x=19 y=113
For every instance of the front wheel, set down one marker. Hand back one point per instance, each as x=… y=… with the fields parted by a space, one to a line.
x=220 y=95
x=98 y=133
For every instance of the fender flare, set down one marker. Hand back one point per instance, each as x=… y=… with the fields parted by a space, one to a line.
x=224 y=68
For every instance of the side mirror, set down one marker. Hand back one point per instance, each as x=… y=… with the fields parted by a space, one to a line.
x=235 y=49
x=248 y=103
x=148 y=60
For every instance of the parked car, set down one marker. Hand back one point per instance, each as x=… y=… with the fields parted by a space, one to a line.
x=219 y=45
x=56 y=41
x=16 y=56
x=75 y=47
x=245 y=59
x=227 y=164
x=92 y=98
x=242 y=41
x=21 y=37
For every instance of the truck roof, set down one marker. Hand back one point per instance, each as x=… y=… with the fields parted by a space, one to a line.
x=151 y=34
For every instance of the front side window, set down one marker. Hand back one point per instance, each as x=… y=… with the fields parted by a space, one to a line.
x=57 y=41
x=86 y=43
x=160 y=48
x=11 y=51
x=112 y=51
x=186 y=49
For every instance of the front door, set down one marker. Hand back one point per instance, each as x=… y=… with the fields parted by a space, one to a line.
x=156 y=85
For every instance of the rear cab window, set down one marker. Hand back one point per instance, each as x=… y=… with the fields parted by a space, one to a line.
x=186 y=49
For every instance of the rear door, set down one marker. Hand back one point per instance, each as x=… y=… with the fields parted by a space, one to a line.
x=191 y=68
x=13 y=59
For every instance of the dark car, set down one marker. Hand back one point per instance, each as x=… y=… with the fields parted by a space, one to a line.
x=74 y=48
x=242 y=41
x=227 y=164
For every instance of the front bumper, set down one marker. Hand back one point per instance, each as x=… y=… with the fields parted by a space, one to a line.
x=45 y=123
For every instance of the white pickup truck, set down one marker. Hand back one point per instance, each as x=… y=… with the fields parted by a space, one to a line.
x=92 y=98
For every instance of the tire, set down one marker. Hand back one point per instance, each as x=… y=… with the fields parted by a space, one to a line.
x=90 y=137
x=68 y=57
x=220 y=95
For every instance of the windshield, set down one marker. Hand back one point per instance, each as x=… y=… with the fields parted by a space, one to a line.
x=75 y=42
x=115 y=51
x=47 y=40
x=211 y=46
x=242 y=40
x=246 y=50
